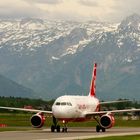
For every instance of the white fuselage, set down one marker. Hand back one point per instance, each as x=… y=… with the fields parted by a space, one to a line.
x=73 y=108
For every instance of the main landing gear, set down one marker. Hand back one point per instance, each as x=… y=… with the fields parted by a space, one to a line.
x=56 y=127
x=98 y=128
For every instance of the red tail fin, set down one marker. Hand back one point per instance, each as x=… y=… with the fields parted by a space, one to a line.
x=93 y=82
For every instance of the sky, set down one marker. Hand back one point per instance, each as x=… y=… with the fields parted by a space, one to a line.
x=98 y=10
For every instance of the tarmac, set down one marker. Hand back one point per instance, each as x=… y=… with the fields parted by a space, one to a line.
x=72 y=134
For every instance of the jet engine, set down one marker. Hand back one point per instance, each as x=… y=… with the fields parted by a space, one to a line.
x=107 y=121
x=38 y=120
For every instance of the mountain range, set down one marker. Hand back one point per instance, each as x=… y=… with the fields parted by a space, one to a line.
x=10 y=88
x=54 y=58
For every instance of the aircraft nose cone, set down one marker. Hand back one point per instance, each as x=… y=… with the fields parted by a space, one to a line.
x=60 y=112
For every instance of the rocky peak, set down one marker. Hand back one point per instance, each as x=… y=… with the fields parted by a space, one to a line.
x=130 y=24
x=31 y=20
x=32 y=23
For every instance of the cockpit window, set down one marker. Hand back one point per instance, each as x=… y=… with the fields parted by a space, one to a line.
x=57 y=103
x=69 y=104
x=63 y=103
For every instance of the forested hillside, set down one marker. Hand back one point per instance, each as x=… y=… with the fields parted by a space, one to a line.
x=9 y=87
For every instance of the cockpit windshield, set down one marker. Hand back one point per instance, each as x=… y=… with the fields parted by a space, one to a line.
x=63 y=103
x=57 y=103
x=69 y=104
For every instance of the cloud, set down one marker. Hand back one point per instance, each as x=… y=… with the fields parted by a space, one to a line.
x=121 y=9
x=90 y=3
x=45 y=1
x=18 y=9
x=103 y=10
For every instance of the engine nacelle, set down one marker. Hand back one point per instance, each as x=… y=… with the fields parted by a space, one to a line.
x=107 y=121
x=38 y=120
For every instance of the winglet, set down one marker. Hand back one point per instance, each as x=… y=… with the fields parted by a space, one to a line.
x=93 y=82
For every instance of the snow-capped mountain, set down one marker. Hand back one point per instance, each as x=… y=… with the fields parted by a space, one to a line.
x=26 y=35
x=55 y=57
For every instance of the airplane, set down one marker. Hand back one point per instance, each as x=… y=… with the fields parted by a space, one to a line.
x=76 y=108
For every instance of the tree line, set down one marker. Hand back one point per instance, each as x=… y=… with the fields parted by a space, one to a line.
x=46 y=105
x=25 y=102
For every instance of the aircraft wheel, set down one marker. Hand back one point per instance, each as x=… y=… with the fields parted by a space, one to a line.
x=64 y=129
x=58 y=128
x=98 y=128
x=103 y=129
x=52 y=128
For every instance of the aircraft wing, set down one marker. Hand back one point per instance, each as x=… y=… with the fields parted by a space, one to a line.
x=24 y=109
x=109 y=112
x=112 y=102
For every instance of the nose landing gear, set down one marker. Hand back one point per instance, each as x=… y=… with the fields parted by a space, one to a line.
x=64 y=129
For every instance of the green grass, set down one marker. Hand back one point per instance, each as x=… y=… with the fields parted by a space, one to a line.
x=23 y=120
x=2 y=129
x=12 y=119
x=129 y=123
x=133 y=137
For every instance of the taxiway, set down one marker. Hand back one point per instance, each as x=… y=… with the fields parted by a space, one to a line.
x=72 y=134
